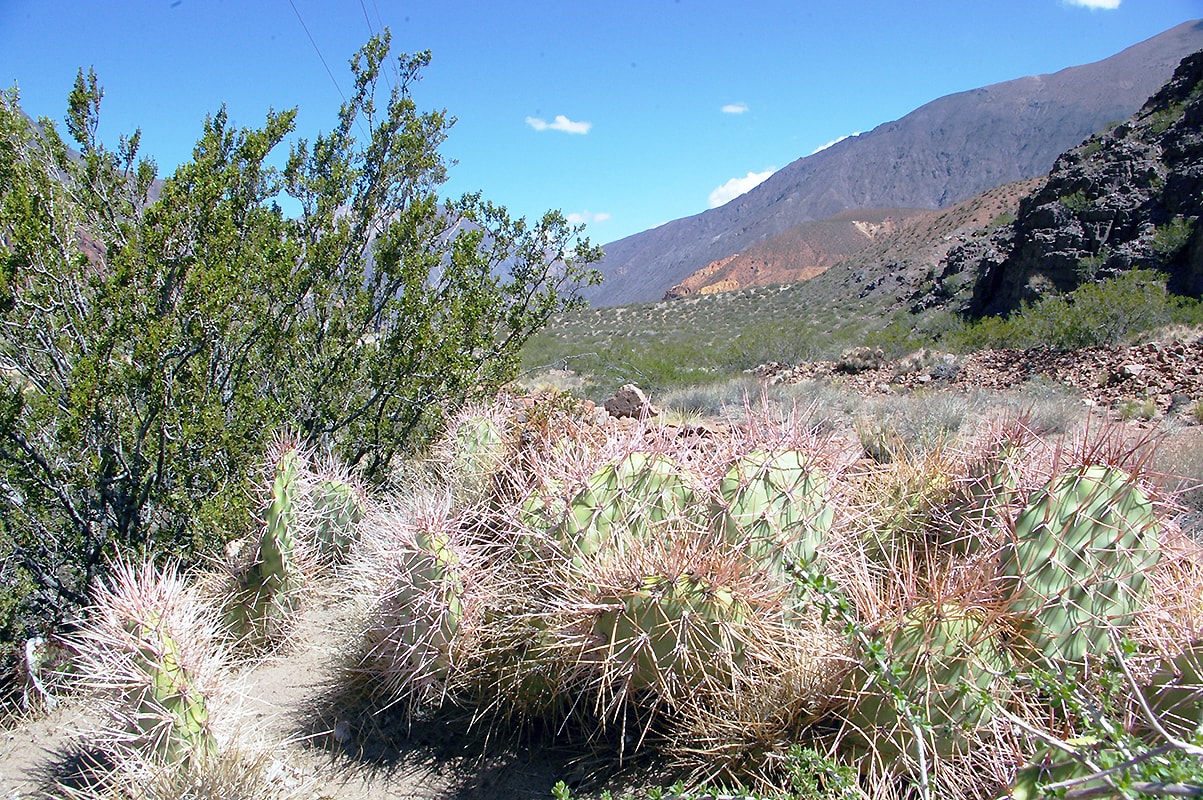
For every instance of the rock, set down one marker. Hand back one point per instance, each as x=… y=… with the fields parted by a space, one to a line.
x=1124 y=199
x=1132 y=370
x=631 y=401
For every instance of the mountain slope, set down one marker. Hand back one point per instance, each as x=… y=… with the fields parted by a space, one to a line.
x=946 y=151
x=1127 y=198
x=799 y=253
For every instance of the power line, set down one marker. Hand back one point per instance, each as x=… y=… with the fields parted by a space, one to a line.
x=372 y=32
x=317 y=50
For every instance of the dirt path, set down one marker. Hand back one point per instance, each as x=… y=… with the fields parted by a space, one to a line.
x=293 y=707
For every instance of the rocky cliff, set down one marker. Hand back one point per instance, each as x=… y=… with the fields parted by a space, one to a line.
x=1127 y=198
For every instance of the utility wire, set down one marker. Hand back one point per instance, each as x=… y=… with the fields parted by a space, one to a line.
x=372 y=32
x=317 y=50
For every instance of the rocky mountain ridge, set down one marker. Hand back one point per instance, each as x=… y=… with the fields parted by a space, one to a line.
x=943 y=153
x=1128 y=198
x=800 y=253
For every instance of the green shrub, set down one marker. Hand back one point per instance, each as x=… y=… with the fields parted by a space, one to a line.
x=1103 y=313
x=1171 y=237
x=1076 y=201
x=144 y=381
x=1144 y=409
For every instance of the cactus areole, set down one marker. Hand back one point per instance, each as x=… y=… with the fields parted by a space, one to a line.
x=1077 y=567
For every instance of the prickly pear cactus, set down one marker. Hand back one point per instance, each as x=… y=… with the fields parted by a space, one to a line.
x=337 y=511
x=412 y=631
x=984 y=499
x=1077 y=566
x=775 y=505
x=1175 y=692
x=172 y=716
x=669 y=634
x=477 y=449
x=944 y=660
x=627 y=497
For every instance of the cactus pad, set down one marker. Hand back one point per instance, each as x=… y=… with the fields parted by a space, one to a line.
x=775 y=506
x=629 y=496
x=1078 y=563
x=944 y=660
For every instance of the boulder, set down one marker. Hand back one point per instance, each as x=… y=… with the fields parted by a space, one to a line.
x=631 y=401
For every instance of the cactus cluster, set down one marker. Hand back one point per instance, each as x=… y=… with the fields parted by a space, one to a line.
x=311 y=518
x=720 y=595
x=267 y=587
x=643 y=586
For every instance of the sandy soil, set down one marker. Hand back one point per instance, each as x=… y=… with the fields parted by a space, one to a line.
x=352 y=754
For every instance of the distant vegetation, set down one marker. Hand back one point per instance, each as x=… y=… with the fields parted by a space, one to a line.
x=713 y=338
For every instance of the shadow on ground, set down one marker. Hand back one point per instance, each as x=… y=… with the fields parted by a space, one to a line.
x=447 y=753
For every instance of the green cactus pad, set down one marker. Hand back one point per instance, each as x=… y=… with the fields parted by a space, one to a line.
x=1175 y=692
x=337 y=511
x=1077 y=566
x=775 y=505
x=670 y=635
x=171 y=696
x=627 y=497
x=944 y=661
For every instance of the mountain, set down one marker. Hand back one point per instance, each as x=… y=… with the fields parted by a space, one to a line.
x=1128 y=198
x=800 y=253
x=944 y=152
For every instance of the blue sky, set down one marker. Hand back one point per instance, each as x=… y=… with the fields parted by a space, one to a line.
x=624 y=114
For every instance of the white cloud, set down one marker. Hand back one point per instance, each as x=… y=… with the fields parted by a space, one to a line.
x=737 y=186
x=823 y=147
x=735 y=108
x=1094 y=5
x=560 y=123
x=586 y=217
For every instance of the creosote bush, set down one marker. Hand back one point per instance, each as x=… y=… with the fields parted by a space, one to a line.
x=1109 y=312
x=156 y=332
